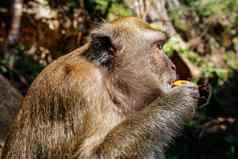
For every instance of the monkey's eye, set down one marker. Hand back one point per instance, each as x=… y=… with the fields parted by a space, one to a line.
x=159 y=43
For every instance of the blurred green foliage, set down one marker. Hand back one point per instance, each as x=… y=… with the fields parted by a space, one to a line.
x=118 y=10
x=208 y=70
x=212 y=7
x=213 y=25
x=108 y=9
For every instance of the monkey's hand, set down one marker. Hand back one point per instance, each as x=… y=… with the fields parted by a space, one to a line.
x=182 y=92
x=182 y=99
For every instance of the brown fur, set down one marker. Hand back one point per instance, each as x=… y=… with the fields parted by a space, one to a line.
x=109 y=99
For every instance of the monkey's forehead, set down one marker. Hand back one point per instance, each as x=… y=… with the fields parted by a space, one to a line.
x=129 y=22
x=123 y=25
x=129 y=27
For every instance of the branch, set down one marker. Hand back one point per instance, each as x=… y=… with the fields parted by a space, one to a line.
x=13 y=34
x=153 y=11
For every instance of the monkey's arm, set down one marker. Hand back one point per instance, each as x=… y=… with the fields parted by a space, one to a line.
x=152 y=128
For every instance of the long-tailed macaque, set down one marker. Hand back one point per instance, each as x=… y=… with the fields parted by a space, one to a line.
x=110 y=99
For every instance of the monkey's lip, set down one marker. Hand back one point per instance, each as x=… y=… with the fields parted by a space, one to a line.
x=166 y=87
x=170 y=84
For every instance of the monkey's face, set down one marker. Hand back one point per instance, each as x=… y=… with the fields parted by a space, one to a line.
x=160 y=69
x=130 y=47
x=141 y=53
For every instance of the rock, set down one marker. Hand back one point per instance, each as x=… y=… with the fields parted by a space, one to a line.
x=10 y=100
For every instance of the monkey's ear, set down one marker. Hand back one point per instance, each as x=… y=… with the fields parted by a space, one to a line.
x=101 y=42
x=101 y=50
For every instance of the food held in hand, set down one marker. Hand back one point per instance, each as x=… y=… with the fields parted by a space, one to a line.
x=179 y=83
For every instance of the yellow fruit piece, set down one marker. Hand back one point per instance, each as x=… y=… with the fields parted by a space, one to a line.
x=179 y=82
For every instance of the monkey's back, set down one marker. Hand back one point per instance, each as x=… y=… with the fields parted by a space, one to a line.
x=50 y=120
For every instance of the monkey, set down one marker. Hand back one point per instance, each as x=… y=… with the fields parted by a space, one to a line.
x=109 y=99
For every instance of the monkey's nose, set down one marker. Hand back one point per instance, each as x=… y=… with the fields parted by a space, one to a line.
x=173 y=67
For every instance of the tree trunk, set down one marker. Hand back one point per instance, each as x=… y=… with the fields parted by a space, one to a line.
x=154 y=11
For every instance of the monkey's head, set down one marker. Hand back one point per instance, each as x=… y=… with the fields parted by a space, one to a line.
x=131 y=51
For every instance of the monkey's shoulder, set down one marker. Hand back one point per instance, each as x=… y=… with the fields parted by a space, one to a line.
x=70 y=70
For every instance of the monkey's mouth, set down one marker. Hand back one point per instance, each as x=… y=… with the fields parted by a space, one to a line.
x=167 y=87
x=173 y=83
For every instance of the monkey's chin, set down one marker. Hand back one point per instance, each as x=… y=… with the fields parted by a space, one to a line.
x=166 y=87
